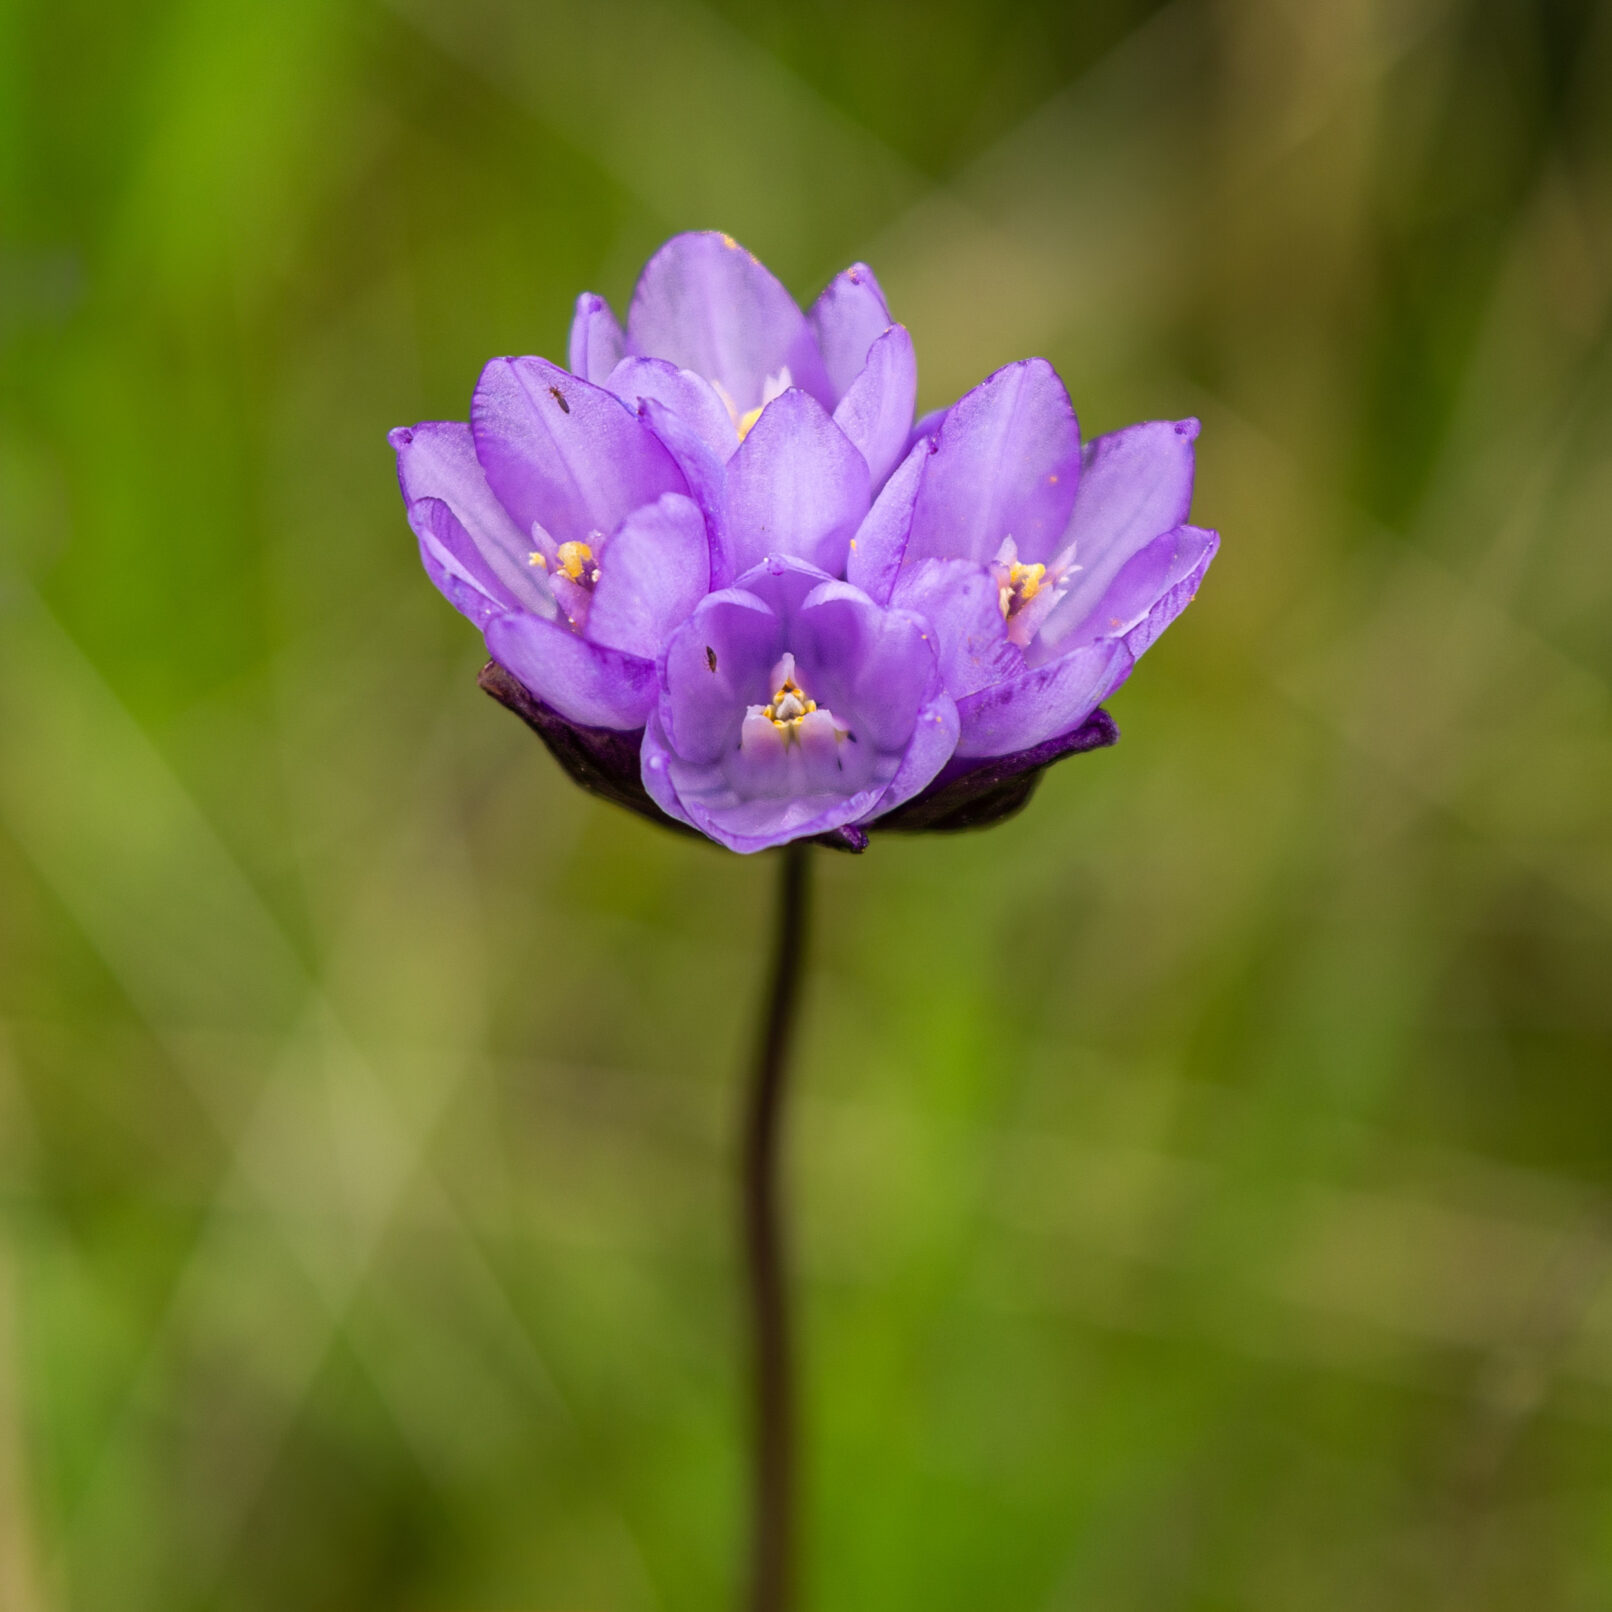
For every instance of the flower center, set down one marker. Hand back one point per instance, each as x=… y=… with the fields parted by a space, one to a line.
x=790 y=705
x=1021 y=584
x=575 y=562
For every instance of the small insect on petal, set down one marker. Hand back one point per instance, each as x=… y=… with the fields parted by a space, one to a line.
x=710 y=657
x=559 y=397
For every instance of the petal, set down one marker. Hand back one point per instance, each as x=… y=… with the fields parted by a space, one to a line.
x=847 y=319
x=471 y=548
x=1134 y=484
x=934 y=739
x=927 y=425
x=1147 y=593
x=783 y=584
x=880 y=543
x=705 y=304
x=585 y=683
x=960 y=600
x=1040 y=703
x=876 y=413
x=655 y=569
x=871 y=667
x=563 y=454
x=712 y=806
x=1006 y=463
x=796 y=487
x=596 y=339
x=703 y=471
x=1187 y=567
x=717 y=663
x=655 y=759
x=687 y=395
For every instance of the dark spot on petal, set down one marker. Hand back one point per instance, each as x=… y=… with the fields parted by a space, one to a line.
x=710 y=657
x=559 y=397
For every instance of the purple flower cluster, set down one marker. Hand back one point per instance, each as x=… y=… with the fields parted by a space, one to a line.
x=725 y=577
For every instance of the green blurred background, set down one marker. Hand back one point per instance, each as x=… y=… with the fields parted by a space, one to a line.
x=1201 y=1183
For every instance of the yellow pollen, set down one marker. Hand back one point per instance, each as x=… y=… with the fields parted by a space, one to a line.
x=748 y=419
x=1022 y=585
x=729 y=242
x=790 y=707
x=536 y=558
x=576 y=562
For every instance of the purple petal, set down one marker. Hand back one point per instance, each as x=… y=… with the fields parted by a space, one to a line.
x=596 y=339
x=847 y=319
x=880 y=543
x=783 y=584
x=869 y=665
x=1160 y=577
x=876 y=413
x=472 y=550
x=934 y=738
x=705 y=304
x=1187 y=567
x=718 y=662
x=563 y=454
x=926 y=425
x=705 y=474
x=796 y=486
x=1006 y=464
x=1134 y=484
x=655 y=759
x=1040 y=703
x=586 y=683
x=961 y=602
x=705 y=798
x=654 y=571
x=687 y=395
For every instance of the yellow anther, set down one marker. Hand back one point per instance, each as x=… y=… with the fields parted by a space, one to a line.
x=789 y=708
x=746 y=420
x=1022 y=585
x=536 y=558
x=576 y=562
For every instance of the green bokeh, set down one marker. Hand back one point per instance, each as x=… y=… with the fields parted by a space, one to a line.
x=1201 y=1183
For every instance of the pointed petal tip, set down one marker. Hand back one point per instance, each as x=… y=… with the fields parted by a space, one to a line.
x=1188 y=428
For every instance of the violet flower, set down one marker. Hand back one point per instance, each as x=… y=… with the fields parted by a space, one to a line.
x=792 y=706
x=1045 y=569
x=705 y=583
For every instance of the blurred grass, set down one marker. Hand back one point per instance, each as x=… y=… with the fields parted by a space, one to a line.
x=1202 y=1181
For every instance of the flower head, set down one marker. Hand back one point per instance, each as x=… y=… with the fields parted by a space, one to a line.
x=719 y=576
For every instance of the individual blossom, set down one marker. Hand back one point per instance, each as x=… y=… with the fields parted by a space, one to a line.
x=1045 y=568
x=792 y=705
x=785 y=423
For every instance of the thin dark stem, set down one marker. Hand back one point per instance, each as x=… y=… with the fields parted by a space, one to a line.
x=772 y=1537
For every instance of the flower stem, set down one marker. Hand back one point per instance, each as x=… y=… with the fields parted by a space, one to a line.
x=772 y=1536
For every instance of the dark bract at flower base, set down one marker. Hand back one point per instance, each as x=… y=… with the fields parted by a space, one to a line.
x=964 y=794
x=732 y=587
